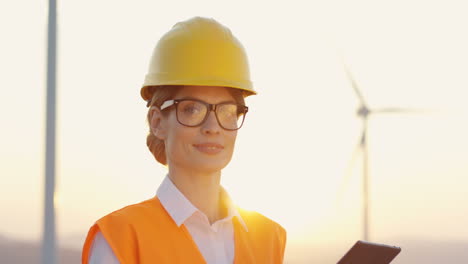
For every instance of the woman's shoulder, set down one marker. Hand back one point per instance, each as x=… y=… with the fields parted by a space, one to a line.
x=258 y=221
x=126 y=224
x=261 y=229
x=138 y=211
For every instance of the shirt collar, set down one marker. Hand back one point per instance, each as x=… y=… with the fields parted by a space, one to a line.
x=180 y=208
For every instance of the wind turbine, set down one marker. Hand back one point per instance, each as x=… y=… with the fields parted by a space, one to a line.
x=48 y=236
x=364 y=112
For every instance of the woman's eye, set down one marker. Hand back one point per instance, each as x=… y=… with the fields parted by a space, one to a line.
x=228 y=112
x=191 y=109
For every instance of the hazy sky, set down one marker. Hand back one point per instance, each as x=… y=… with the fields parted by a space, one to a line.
x=294 y=149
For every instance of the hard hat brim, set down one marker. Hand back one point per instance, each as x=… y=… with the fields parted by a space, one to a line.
x=147 y=91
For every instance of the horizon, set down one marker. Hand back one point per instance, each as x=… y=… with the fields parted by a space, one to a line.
x=413 y=251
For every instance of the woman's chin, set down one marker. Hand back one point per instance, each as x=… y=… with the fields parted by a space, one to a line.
x=209 y=165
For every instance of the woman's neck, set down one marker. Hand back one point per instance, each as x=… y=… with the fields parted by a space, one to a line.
x=201 y=189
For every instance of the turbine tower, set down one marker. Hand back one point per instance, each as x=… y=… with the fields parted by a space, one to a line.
x=364 y=112
x=48 y=236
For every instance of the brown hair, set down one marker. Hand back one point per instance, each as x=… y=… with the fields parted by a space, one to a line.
x=160 y=95
x=156 y=145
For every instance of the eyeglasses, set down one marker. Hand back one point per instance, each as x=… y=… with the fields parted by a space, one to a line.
x=193 y=113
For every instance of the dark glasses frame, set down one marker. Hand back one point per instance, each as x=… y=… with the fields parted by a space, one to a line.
x=242 y=109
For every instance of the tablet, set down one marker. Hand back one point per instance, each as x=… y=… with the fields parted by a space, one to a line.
x=364 y=252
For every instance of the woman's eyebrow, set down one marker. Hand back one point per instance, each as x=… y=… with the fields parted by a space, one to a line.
x=198 y=99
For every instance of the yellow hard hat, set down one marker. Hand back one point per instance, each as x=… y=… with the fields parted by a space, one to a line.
x=199 y=51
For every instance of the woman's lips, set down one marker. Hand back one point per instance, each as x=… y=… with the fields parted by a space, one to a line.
x=209 y=148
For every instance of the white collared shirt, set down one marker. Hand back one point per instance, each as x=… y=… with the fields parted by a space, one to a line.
x=215 y=242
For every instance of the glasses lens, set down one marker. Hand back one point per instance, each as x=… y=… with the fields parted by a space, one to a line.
x=191 y=113
x=230 y=116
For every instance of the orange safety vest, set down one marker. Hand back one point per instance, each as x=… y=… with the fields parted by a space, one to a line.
x=145 y=233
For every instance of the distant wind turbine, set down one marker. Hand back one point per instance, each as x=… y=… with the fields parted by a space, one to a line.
x=48 y=236
x=364 y=112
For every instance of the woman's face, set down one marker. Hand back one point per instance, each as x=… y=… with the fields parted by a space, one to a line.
x=206 y=148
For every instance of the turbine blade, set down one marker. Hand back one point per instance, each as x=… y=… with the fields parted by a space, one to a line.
x=354 y=85
x=344 y=184
x=394 y=110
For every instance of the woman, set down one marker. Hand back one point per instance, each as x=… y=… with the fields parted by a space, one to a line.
x=198 y=78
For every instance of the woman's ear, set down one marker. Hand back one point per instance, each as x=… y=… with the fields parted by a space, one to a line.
x=157 y=123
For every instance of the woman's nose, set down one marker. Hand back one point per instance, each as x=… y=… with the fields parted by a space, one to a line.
x=211 y=126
